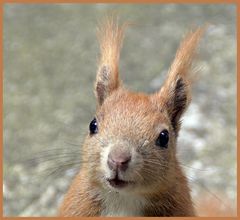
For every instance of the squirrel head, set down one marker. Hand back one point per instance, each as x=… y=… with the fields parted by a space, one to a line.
x=132 y=139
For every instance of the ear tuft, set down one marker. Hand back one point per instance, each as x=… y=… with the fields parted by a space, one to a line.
x=110 y=36
x=185 y=54
x=175 y=95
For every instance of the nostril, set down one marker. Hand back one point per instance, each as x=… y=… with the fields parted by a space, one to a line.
x=118 y=161
x=126 y=160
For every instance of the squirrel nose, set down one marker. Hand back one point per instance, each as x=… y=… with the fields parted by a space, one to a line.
x=118 y=160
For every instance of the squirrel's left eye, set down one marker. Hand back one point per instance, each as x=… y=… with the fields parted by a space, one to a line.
x=93 y=127
x=163 y=138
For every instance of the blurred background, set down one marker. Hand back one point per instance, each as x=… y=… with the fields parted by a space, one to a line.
x=50 y=61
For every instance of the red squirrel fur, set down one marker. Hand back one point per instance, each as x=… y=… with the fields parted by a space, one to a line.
x=126 y=173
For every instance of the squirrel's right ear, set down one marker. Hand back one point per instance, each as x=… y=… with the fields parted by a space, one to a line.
x=110 y=37
x=175 y=94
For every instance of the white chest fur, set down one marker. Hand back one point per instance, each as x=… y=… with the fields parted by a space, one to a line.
x=118 y=204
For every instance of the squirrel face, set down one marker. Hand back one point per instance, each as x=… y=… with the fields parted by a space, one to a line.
x=135 y=143
x=131 y=145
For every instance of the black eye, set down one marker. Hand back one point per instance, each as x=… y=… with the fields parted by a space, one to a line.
x=163 y=138
x=93 y=128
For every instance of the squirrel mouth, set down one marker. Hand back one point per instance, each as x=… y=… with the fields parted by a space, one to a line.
x=118 y=183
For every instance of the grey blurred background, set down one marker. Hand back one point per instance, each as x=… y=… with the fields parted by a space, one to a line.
x=50 y=58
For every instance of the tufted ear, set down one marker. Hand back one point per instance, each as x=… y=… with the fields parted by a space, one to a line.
x=175 y=94
x=110 y=37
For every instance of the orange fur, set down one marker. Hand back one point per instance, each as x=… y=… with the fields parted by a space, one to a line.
x=110 y=36
x=132 y=122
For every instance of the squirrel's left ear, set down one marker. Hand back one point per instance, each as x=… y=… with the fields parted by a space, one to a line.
x=175 y=94
x=110 y=36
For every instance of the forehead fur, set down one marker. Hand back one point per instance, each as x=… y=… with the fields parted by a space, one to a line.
x=130 y=111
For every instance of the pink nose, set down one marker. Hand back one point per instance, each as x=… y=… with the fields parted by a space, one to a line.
x=118 y=160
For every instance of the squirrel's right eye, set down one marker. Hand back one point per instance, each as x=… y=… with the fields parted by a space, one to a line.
x=93 y=128
x=163 y=138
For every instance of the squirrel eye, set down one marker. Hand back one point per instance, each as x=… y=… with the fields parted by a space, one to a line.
x=93 y=128
x=163 y=138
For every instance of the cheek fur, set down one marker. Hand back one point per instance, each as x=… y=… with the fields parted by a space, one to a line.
x=103 y=160
x=154 y=162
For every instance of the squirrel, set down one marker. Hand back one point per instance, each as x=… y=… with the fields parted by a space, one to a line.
x=131 y=167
